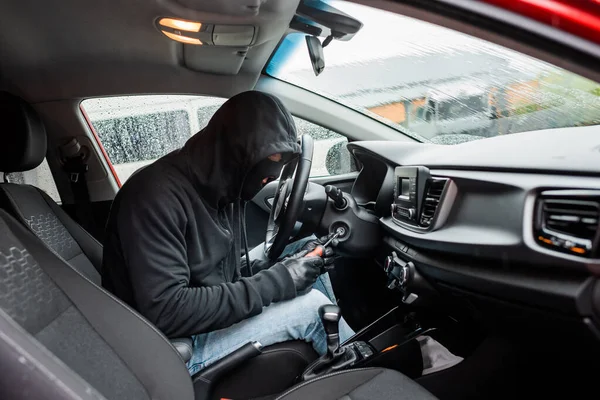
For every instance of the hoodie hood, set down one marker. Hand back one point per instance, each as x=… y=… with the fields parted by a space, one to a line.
x=247 y=128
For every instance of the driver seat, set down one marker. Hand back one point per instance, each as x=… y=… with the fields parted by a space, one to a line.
x=24 y=148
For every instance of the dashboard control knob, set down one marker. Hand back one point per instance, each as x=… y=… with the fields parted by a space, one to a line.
x=411 y=213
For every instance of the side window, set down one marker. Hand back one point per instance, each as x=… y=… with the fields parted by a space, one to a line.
x=330 y=156
x=40 y=177
x=136 y=130
x=143 y=137
x=205 y=113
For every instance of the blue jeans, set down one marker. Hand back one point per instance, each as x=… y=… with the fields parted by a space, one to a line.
x=295 y=319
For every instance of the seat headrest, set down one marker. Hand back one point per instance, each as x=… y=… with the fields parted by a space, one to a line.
x=23 y=136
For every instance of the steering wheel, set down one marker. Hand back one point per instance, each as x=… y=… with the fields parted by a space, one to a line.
x=289 y=200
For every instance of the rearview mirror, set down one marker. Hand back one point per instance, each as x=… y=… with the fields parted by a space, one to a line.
x=315 y=51
x=341 y=25
x=339 y=160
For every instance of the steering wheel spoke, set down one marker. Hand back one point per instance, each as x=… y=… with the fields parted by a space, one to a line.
x=289 y=200
x=282 y=199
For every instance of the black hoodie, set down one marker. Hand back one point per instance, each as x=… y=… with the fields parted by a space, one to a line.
x=172 y=248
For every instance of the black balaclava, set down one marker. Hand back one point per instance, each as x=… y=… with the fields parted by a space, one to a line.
x=262 y=173
x=245 y=131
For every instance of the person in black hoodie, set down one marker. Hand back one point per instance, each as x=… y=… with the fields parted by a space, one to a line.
x=173 y=239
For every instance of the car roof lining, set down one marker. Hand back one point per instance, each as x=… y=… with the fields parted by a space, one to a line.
x=74 y=50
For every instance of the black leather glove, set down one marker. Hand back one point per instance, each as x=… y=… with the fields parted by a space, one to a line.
x=328 y=254
x=304 y=271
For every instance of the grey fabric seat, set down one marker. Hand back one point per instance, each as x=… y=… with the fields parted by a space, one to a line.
x=59 y=312
x=24 y=148
x=63 y=337
x=359 y=384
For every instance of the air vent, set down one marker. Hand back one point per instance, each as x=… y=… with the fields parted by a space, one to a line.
x=569 y=225
x=433 y=195
x=577 y=218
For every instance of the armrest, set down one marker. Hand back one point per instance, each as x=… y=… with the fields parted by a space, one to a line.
x=205 y=380
x=184 y=347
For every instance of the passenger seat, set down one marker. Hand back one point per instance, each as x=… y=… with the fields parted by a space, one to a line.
x=24 y=148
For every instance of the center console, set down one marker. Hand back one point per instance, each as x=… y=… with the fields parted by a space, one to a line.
x=388 y=342
x=338 y=357
x=417 y=195
x=408 y=182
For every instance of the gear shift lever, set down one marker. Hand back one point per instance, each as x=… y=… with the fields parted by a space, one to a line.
x=330 y=317
x=337 y=358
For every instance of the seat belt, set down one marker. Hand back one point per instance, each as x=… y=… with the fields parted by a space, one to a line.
x=74 y=160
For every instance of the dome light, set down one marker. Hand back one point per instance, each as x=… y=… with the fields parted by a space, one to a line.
x=180 y=25
x=181 y=38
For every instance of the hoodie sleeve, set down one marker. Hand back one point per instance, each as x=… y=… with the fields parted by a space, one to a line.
x=160 y=276
x=257 y=265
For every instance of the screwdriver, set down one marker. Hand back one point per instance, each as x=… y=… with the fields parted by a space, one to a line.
x=320 y=249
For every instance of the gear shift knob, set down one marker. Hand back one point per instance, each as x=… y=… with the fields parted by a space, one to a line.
x=330 y=317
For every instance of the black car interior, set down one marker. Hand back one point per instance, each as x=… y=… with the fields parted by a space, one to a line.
x=64 y=263
x=491 y=248
x=60 y=261
x=47 y=254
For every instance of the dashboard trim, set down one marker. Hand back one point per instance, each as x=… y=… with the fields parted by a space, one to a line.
x=492 y=213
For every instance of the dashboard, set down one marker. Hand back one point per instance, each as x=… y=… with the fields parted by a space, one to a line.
x=514 y=218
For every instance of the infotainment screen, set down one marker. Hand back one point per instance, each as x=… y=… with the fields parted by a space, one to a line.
x=409 y=183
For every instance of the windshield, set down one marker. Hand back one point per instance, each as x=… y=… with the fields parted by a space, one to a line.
x=436 y=84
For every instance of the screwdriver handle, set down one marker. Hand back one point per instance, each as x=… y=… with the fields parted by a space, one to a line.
x=320 y=250
x=317 y=252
